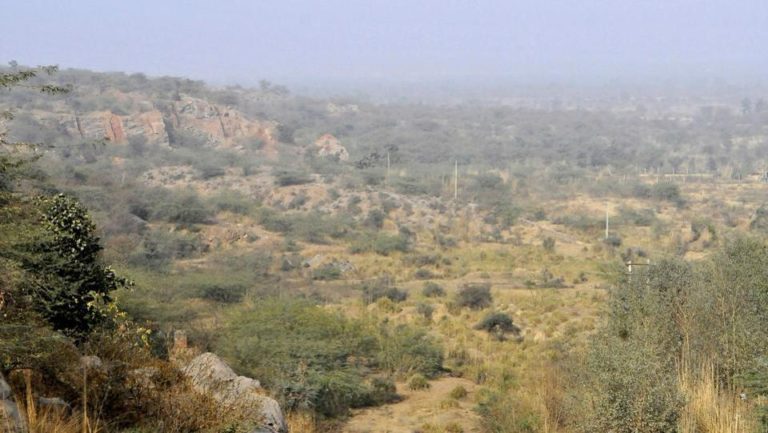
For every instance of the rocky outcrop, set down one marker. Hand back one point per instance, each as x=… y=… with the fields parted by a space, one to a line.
x=330 y=146
x=223 y=126
x=211 y=376
x=213 y=124
x=105 y=125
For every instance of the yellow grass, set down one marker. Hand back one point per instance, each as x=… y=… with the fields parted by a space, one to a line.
x=709 y=408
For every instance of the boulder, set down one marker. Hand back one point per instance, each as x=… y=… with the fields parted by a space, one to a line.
x=211 y=376
x=11 y=420
x=5 y=389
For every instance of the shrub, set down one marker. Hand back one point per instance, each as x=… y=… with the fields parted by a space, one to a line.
x=458 y=392
x=613 y=241
x=498 y=324
x=223 y=294
x=288 y=178
x=405 y=350
x=386 y=244
x=432 y=290
x=549 y=244
x=375 y=219
x=423 y=274
x=327 y=272
x=383 y=390
x=418 y=382
x=160 y=248
x=183 y=208
x=425 y=310
x=232 y=201
x=378 y=289
x=475 y=296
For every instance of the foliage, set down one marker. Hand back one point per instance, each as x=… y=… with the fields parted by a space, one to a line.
x=289 y=178
x=458 y=392
x=68 y=284
x=476 y=296
x=327 y=272
x=381 y=288
x=432 y=290
x=316 y=356
x=418 y=382
x=498 y=324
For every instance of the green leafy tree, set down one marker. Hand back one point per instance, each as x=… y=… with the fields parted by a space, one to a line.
x=69 y=285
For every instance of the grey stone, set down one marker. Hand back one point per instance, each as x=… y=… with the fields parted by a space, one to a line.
x=5 y=389
x=211 y=376
x=10 y=418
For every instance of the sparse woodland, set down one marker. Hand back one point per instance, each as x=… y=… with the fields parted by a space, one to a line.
x=477 y=267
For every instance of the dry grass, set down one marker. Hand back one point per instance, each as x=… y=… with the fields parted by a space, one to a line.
x=709 y=408
x=304 y=422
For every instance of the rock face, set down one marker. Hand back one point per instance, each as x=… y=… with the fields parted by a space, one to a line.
x=211 y=376
x=105 y=125
x=330 y=146
x=212 y=124
x=220 y=125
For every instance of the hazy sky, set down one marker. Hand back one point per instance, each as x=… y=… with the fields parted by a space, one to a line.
x=290 y=40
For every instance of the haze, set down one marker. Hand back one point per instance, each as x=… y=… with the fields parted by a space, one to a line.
x=239 y=41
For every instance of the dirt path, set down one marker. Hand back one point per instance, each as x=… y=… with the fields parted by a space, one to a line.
x=432 y=407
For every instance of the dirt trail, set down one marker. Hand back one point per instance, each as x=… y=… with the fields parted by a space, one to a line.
x=419 y=408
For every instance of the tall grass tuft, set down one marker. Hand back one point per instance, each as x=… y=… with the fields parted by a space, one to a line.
x=709 y=408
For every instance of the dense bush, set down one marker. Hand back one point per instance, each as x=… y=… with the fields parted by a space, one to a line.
x=183 y=208
x=223 y=294
x=159 y=248
x=418 y=382
x=381 y=243
x=378 y=289
x=475 y=296
x=314 y=227
x=432 y=290
x=327 y=272
x=288 y=178
x=498 y=324
x=315 y=355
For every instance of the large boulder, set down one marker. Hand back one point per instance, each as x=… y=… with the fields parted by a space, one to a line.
x=211 y=376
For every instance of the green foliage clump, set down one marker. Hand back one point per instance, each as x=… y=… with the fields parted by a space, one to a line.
x=498 y=324
x=666 y=191
x=405 y=350
x=183 y=208
x=475 y=296
x=289 y=178
x=224 y=294
x=418 y=382
x=314 y=358
x=423 y=274
x=159 y=248
x=68 y=284
x=380 y=288
x=425 y=310
x=458 y=392
x=381 y=243
x=432 y=290
x=314 y=227
x=232 y=201
x=327 y=272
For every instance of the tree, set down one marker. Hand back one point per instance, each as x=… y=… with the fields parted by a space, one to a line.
x=68 y=284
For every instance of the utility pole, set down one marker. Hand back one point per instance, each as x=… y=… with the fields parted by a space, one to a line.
x=386 y=181
x=606 y=220
x=455 y=180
